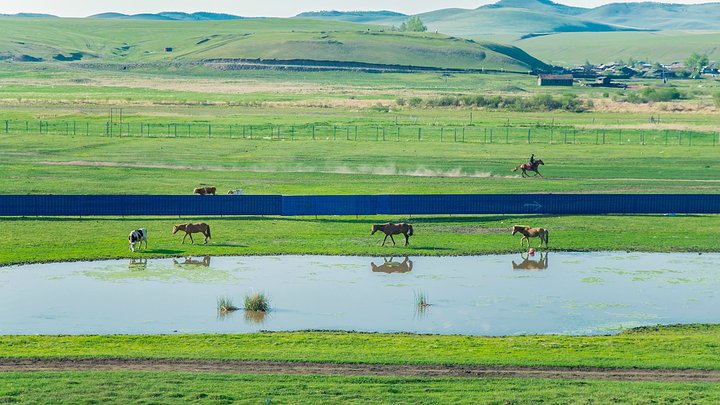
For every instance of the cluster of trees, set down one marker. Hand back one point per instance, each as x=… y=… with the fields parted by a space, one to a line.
x=413 y=24
x=539 y=102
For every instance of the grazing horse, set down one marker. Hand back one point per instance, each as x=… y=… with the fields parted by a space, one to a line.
x=393 y=267
x=200 y=227
x=205 y=190
x=137 y=236
x=528 y=232
x=527 y=167
x=393 y=229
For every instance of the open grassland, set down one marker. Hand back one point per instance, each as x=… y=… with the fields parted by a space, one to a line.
x=103 y=42
x=57 y=164
x=576 y=48
x=181 y=388
x=65 y=239
x=670 y=347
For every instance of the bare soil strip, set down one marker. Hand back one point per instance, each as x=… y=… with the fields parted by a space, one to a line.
x=401 y=370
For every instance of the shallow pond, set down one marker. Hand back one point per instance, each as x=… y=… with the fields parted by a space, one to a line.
x=566 y=293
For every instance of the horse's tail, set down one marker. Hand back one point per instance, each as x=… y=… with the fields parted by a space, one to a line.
x=208 y=229
x=515 y=169
x=410 y=230
x=547 y=237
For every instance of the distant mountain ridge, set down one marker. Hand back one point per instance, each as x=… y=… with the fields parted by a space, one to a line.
x=545 y=16
x=170 y=16
x=352 y=16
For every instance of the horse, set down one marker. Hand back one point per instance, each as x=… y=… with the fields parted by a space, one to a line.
x=528 y=264
x=393 y=267
x=205 y=190
x=528 y=232
x=200 y=227
x=525 y=167
x=393 y=229
x=137 y=236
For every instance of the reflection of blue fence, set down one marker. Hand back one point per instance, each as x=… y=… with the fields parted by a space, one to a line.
x=193 y=205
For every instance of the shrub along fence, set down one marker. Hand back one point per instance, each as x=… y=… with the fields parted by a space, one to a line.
x=402 y=204
x=378 y=133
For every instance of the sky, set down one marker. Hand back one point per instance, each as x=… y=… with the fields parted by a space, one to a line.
x=267 y=8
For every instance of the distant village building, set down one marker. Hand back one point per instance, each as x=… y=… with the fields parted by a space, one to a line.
x=555 y=80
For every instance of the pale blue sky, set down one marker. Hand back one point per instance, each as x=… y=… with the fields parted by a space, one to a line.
x=267 y=8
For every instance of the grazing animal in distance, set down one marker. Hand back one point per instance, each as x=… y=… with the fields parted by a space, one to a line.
x=527 y=167
x=235 y=192
x=205 y=190
x=390 y=229
x=200 y=227
x=528 y=232
x=137 y=236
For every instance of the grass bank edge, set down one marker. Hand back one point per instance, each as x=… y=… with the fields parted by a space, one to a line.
x=691 y=346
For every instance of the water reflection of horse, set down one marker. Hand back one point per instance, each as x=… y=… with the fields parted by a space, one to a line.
x=528 y=264
x=138 y=263
x=393 y=267
x=205 y=262
x=527 y=167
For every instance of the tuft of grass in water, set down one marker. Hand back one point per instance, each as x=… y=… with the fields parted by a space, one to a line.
x=257 y=301
x=225 y=305
x=421 y=299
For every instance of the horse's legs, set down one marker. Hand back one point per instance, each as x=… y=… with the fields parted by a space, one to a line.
x=392 y=239
x=191 y=239
x=407 y=239
x=539 y=173
x=206 y=237
x=383 y=244
x=183 y=241
x=523 y=239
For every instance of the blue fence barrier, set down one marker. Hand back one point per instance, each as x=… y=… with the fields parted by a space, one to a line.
x=402 y=204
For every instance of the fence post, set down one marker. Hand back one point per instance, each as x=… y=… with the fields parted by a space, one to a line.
x=419 y=131
x=230 y=129
x=398 y=134
x=347 y=133
x=441 y=133
x=107 y=128
x=574 y=135
x=87 y=128
x=690 y=139
x=490 y=135
x=335 y=132
x=463 y=135
x=529 y=136
x=74 y=128
x=210 y=130
x=666 y=137
x=7 y=124
x=383 y=132
x=484 y=135
x=507 y=135
x=27 y=127
x=455 y=135
x=313 y=132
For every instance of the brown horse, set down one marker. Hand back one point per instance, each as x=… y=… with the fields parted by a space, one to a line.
x=393 y=267
x=205 y=262
x=528 y=232
x=200 y=227
x=205 y=190
x=393 y=229
x=527 y=167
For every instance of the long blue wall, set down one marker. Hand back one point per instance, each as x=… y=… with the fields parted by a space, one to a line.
x=407 y=204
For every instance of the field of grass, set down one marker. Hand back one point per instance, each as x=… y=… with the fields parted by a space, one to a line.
x=568 y=49
x=671 y=347
x=109 y=41
x=64 y=239
x=182 y=388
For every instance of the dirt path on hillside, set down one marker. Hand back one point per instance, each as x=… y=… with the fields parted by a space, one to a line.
x=402 y=370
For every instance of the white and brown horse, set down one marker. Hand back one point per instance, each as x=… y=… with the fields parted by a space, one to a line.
x=137 y=236
x=205 y=190
x=390 y=229
x=200 y=227
x=528 y=232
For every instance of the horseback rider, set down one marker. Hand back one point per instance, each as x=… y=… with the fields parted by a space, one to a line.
x=532 y=160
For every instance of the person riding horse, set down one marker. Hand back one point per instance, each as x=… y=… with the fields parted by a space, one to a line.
x=532 y=160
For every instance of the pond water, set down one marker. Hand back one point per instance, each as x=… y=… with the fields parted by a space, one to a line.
x=564 y=293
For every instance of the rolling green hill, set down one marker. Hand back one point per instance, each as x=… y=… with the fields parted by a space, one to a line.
x=132 y=41
x=659 y=16
x=661 y=46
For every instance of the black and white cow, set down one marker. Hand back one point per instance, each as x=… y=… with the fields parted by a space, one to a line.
x=137 y=236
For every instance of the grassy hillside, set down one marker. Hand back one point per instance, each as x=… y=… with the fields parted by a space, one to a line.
x=131 y=41
x=664 y=46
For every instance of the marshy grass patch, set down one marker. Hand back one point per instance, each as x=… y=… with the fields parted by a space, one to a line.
x=422 y=302
x=225 y=305
x=257 y=302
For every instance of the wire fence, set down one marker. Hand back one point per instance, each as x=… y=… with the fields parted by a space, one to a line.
x=364 y=133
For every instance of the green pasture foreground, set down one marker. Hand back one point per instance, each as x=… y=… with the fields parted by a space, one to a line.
x=36 y=240
x=182 y=388
x=55 y=164
x=684 y=346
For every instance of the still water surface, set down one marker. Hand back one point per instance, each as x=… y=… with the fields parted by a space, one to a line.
x=566 y=293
